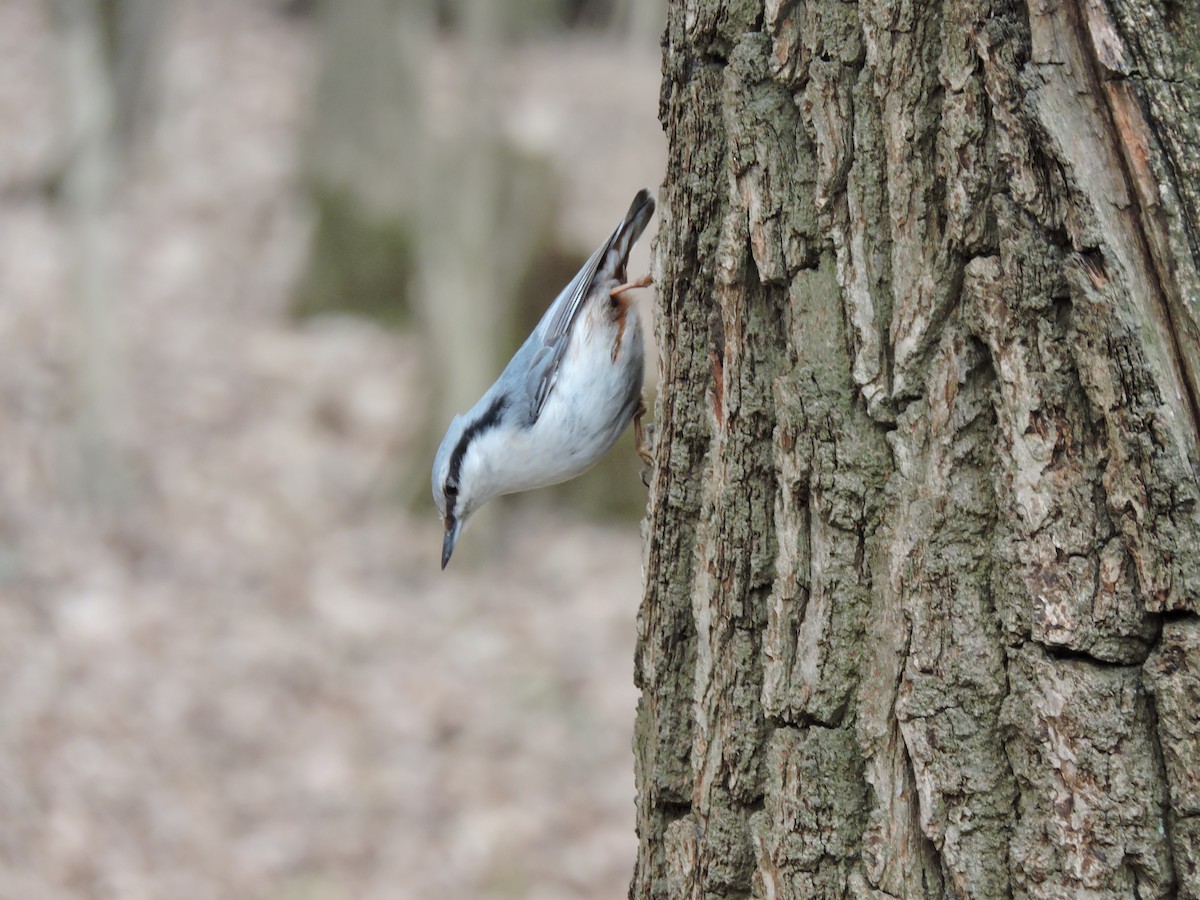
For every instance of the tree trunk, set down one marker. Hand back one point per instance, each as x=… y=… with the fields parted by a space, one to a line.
x=108 y=52
x=412 y=180
x=364 y=144
x=923 y=552
x=99 y=472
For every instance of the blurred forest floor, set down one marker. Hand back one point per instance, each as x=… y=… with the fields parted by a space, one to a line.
x=254 y=682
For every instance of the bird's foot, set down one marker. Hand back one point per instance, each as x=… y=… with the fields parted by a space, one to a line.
x=644 y=281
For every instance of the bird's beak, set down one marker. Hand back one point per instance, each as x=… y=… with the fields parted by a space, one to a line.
x=453 y=527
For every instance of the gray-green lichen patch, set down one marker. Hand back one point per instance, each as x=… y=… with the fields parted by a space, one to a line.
x=827 y=454
x=1173 y=677
x=1152 y=495
x=939 y=569
x=1091 y=815
x=1173 y=680
x=1185 y=842
x=1063 y=582
x=766 y=141
x=807 y=837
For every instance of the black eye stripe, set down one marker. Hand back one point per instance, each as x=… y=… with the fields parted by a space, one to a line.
x=490 y=417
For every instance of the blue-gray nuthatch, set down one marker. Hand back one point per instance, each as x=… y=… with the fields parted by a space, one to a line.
x=562 y=400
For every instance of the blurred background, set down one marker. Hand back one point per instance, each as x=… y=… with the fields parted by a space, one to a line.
x=253 y=254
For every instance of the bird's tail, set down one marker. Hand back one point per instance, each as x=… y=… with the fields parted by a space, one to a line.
x=626 y=235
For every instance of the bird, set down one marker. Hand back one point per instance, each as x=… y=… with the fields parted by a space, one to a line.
x=564 y=398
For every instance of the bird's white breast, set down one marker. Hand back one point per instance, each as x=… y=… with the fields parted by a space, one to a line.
x=592 y=402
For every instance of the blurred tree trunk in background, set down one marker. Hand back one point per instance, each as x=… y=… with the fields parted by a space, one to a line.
x=923 y=563
x=108 y=52
x=641 y=20
x=134 y=31
x=365 y=155
x=417 y=190
x=486 y=212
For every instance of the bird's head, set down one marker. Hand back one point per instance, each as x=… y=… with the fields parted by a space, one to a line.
x=460 y=482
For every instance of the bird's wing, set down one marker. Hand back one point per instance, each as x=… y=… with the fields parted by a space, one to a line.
x=555 y=328
x=556 y=333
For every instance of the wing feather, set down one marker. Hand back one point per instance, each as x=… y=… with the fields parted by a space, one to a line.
x=555 y=328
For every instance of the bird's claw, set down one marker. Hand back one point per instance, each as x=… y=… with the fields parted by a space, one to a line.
x=644 y=281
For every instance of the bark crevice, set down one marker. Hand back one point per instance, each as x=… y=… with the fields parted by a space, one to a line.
x=1162 y=286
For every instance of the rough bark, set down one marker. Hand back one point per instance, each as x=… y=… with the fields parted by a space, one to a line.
x=923 y=549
